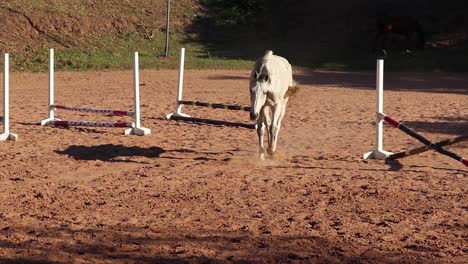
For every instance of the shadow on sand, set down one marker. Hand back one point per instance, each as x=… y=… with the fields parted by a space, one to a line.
x=393 y=81
x=131 y=244
x=429 y=82
x=113 y=153
x=109 y=152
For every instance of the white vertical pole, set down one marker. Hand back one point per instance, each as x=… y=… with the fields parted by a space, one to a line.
x=180 y=87
x=181 y=81
x=379 y=152
x=380 y=106
x=168 y=14
x=51 y=103
x=136 y=82
x=137 y=129
x=6 y=94
x=6 y=135
x=51 y=83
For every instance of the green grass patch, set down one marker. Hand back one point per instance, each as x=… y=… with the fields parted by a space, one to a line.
x=117 y=53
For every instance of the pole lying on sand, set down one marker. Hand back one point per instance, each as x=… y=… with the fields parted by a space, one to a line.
x=422 y=139
x=93 y=110
x=446 y=142
x=213 y=121
x=216 y=105
x=89 y=123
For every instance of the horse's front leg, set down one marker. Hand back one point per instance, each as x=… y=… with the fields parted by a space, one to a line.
x=263 y=123
x=278 y=113
x=260 y=133
x=274 y=128
x=261 y=147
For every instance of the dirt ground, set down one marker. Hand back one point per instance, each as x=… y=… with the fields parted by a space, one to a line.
x=191 y=193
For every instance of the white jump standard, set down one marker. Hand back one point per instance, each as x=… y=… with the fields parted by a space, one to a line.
x=178 y=115
x=134 y=127
x=379 y=153
x=6 y=135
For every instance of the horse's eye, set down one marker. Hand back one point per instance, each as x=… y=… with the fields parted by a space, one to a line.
x=263 y=78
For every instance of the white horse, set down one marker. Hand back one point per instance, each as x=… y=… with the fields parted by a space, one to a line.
x=270 y=80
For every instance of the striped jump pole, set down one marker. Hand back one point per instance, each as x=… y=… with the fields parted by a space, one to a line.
x=379 y=152
x=213 y=122
x=94 y=110
x=425 y=148
x=422 y=139
x=179 y=115
x=62 y=123
x=135 y=127
x=216 y=105
x=6 y=135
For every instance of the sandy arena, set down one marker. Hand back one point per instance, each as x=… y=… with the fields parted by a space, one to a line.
x=191 y=193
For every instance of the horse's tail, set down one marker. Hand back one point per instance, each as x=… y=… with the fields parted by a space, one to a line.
x=292 y=90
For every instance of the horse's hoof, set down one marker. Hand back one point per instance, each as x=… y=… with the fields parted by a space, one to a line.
x=273 y=156
x=262 y=156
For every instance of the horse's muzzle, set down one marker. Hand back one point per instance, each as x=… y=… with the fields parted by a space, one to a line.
x=253 y=116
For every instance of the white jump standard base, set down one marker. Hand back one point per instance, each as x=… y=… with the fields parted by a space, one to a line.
x=6 y=135
x=138 y=131
x=135 y=126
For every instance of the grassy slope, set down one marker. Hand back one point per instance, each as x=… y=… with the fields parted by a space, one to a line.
x=101 y=34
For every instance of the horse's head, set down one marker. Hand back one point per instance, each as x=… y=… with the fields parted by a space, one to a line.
x=259 y=84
